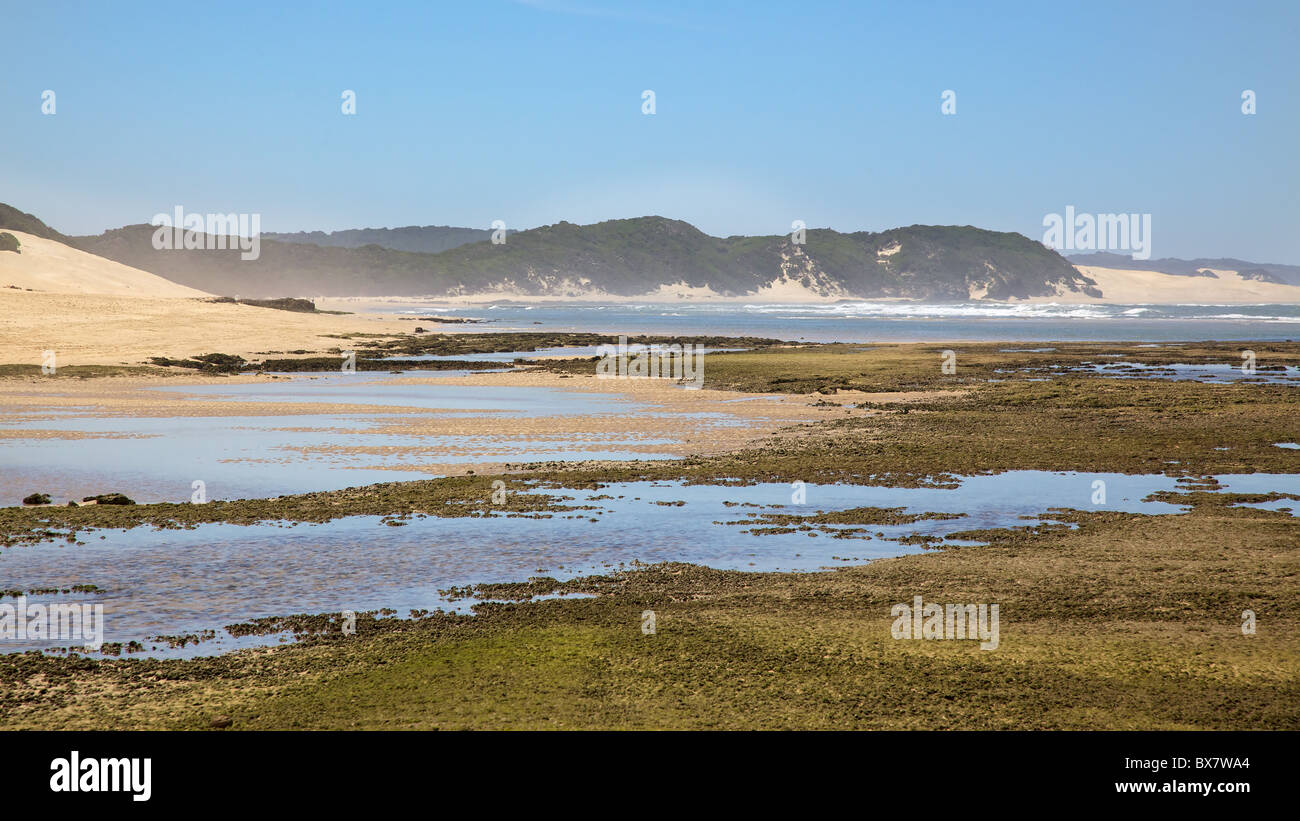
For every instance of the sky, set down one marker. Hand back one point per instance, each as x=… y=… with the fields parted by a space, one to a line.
x=764 y=113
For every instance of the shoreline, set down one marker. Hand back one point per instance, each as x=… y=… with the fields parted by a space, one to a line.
x=1129 y=287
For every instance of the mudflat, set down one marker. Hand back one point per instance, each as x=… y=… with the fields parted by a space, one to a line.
x=1109 y=619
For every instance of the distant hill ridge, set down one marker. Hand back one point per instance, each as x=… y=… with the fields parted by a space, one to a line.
x=15 y=220
x=627 y=258
x=421 y=239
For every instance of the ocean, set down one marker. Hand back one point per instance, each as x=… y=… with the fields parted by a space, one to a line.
x=858 y=322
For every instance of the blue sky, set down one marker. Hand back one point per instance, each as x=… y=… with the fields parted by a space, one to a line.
x=530 y=112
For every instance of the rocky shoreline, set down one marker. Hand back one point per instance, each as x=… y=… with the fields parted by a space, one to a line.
x=1115 y=621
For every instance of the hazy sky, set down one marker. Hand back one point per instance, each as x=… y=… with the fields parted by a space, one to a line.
x=531 y=113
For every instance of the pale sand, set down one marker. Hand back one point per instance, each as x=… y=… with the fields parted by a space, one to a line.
x=92 y=329
x=670 y=424
x=52 y=267
x=1151 y=287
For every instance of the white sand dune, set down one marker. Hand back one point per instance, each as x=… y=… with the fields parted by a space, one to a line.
x=52 y=267
x=1118 y=286
x=99 y=329
x=1152 y=287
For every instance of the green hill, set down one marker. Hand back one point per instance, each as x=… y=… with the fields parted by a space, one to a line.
x=425 y=239
x=15 y=220
x=628 y=257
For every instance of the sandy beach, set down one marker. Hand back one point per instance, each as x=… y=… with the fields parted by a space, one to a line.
x=1154 y=288
x=100 y=329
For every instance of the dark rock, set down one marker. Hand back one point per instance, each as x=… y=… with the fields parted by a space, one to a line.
x=110 y=499
x=37 y=499
x=286 y=304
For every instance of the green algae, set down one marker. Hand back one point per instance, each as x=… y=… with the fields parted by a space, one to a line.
x=1110 y=620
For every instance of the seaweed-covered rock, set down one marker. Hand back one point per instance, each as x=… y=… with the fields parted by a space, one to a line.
x=37 y=499
x=110 y=499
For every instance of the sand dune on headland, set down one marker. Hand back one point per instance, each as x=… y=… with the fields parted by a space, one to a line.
x=52 y=267
x=779 y=291
x=93 y=311
x=1152 y=287
x=1121 y=287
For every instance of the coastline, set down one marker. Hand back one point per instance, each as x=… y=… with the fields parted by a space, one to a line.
x=1118 y=286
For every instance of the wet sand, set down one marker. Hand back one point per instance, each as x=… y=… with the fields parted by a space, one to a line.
x=670 y=420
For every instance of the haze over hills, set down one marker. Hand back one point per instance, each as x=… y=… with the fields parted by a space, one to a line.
x=646 y=256
x=425 y=239
x=659 y=258
x=12 y=219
